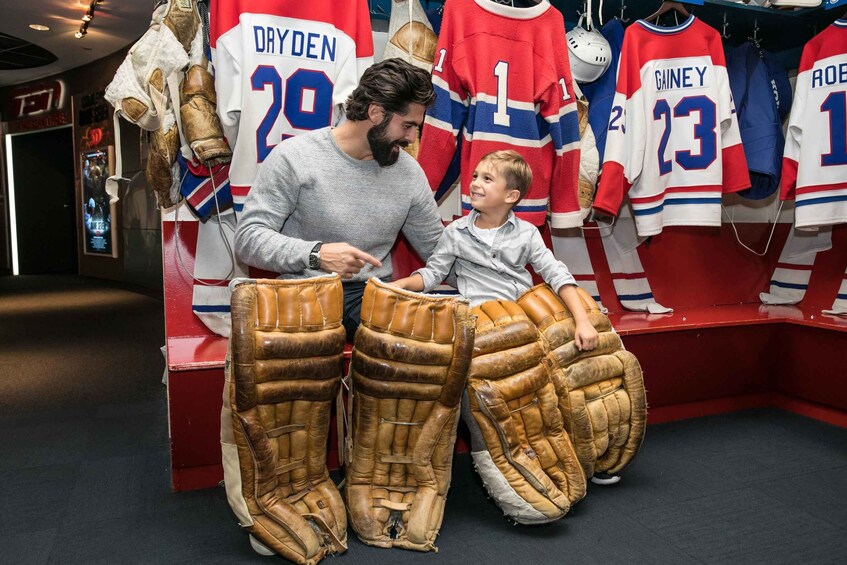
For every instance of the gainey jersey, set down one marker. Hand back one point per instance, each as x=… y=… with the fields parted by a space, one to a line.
x=283 y=67
x=673 y=142
x=814 y=165
x=502 y=81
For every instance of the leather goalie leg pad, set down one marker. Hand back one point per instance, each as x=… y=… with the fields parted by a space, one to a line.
x=601 y=392
x=164 y=146
x=520 y=447
x=409 y=367
x=200 y=123
x=287 y=358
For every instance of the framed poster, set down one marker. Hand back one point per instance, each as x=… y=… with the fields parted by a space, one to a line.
x=99 y=234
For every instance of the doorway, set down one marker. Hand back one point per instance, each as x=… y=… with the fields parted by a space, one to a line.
x=44 y=209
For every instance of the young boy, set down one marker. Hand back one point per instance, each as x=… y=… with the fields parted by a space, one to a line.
x=491 y=246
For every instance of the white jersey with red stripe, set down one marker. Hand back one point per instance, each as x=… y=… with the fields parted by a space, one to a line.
x=502 y=81
x=814 y=164
x=673 y=141
x=283 y=67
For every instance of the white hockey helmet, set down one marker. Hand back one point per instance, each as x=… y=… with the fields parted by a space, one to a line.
x=589 y=53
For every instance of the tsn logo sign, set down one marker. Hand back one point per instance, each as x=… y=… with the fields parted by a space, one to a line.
x=38 y=99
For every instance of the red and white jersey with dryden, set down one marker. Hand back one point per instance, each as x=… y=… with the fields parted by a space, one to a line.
x=283 y=67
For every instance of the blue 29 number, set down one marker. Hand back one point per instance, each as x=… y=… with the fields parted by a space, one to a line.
x=836 y=105
x=704 y=132
x=295 y=88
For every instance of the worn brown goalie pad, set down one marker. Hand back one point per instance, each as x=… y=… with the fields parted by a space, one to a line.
x=518 y=442
x=601 y=392
x=200 y=123
x=285 y=371
x=409 y=366
x=164 y=146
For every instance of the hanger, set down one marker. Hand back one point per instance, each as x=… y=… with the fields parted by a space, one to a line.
x=376 y=10
x=518 y=3
x=666 y=7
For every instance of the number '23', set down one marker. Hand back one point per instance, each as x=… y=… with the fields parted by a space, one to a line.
x=704 y=132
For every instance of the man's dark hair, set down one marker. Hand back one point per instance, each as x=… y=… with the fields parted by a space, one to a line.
x=392 y=84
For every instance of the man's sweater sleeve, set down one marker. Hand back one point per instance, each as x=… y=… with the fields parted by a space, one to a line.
x=271 y=201
x=423 y=225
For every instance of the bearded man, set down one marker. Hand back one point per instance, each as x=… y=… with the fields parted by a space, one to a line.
x=334 y=200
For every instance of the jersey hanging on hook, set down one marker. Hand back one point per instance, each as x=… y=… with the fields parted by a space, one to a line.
x=502 y=81
x=673 y=142
x=814 y=165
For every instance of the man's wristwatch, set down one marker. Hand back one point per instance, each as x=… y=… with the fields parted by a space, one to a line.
x=315 y=257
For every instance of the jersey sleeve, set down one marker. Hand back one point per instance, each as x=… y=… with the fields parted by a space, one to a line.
x=446 y=117
x=794 y=134
x=558 y=109
x=355 y=63
x=226 y=63
x=625 y=136
x=734 y=163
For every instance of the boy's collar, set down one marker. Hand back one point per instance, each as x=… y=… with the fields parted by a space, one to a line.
x=467 y=221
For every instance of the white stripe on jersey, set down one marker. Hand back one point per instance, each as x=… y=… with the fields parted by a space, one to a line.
x=441 y=83
x=442 y=125
x=507 y=139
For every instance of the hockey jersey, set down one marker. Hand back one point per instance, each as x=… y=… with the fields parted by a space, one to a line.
x=601 y=92
x=672 y=142
x=814 y=165
x=762 y=96
x=282 y=68
x=502 y=81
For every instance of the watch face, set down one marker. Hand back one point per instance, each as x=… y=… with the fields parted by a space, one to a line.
x=314 y=261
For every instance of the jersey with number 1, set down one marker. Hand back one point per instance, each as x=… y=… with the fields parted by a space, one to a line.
x=283 y=67
x=814 y=164
x=502 y=81
x=673 y=142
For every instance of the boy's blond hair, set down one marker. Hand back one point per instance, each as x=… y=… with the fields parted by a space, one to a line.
x=512 y=166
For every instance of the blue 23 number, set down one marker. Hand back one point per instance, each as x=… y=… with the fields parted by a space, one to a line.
x=704 y=132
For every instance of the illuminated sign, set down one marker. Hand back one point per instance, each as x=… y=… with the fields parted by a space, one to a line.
x=38 y=99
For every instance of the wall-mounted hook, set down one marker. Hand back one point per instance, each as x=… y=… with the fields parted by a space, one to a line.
x=623 y=9
x=724 y=34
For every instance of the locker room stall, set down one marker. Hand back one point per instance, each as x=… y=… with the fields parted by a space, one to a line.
x=720 y=349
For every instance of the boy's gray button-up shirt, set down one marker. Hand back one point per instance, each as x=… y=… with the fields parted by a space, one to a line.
x=498 y=271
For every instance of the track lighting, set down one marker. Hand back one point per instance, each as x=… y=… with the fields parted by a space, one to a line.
x=87 y=18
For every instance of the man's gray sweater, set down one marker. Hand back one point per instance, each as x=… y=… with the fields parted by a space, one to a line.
x=309 y=190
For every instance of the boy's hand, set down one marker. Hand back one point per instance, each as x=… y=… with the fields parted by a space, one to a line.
x=413 y=282
x=585 y=336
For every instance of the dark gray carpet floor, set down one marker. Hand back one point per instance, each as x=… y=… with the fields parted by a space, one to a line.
x=84 y=466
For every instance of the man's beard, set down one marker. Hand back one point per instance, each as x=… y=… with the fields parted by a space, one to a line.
x=385 y=151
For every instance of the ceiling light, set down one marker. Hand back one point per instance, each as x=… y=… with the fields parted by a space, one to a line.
x=39 y=27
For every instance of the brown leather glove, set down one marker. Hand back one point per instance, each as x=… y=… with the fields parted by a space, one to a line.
x=519 y=445
x=164 y=146
x=601 y=392
x=200 y=123
x=286 y=348
x=409 y=367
